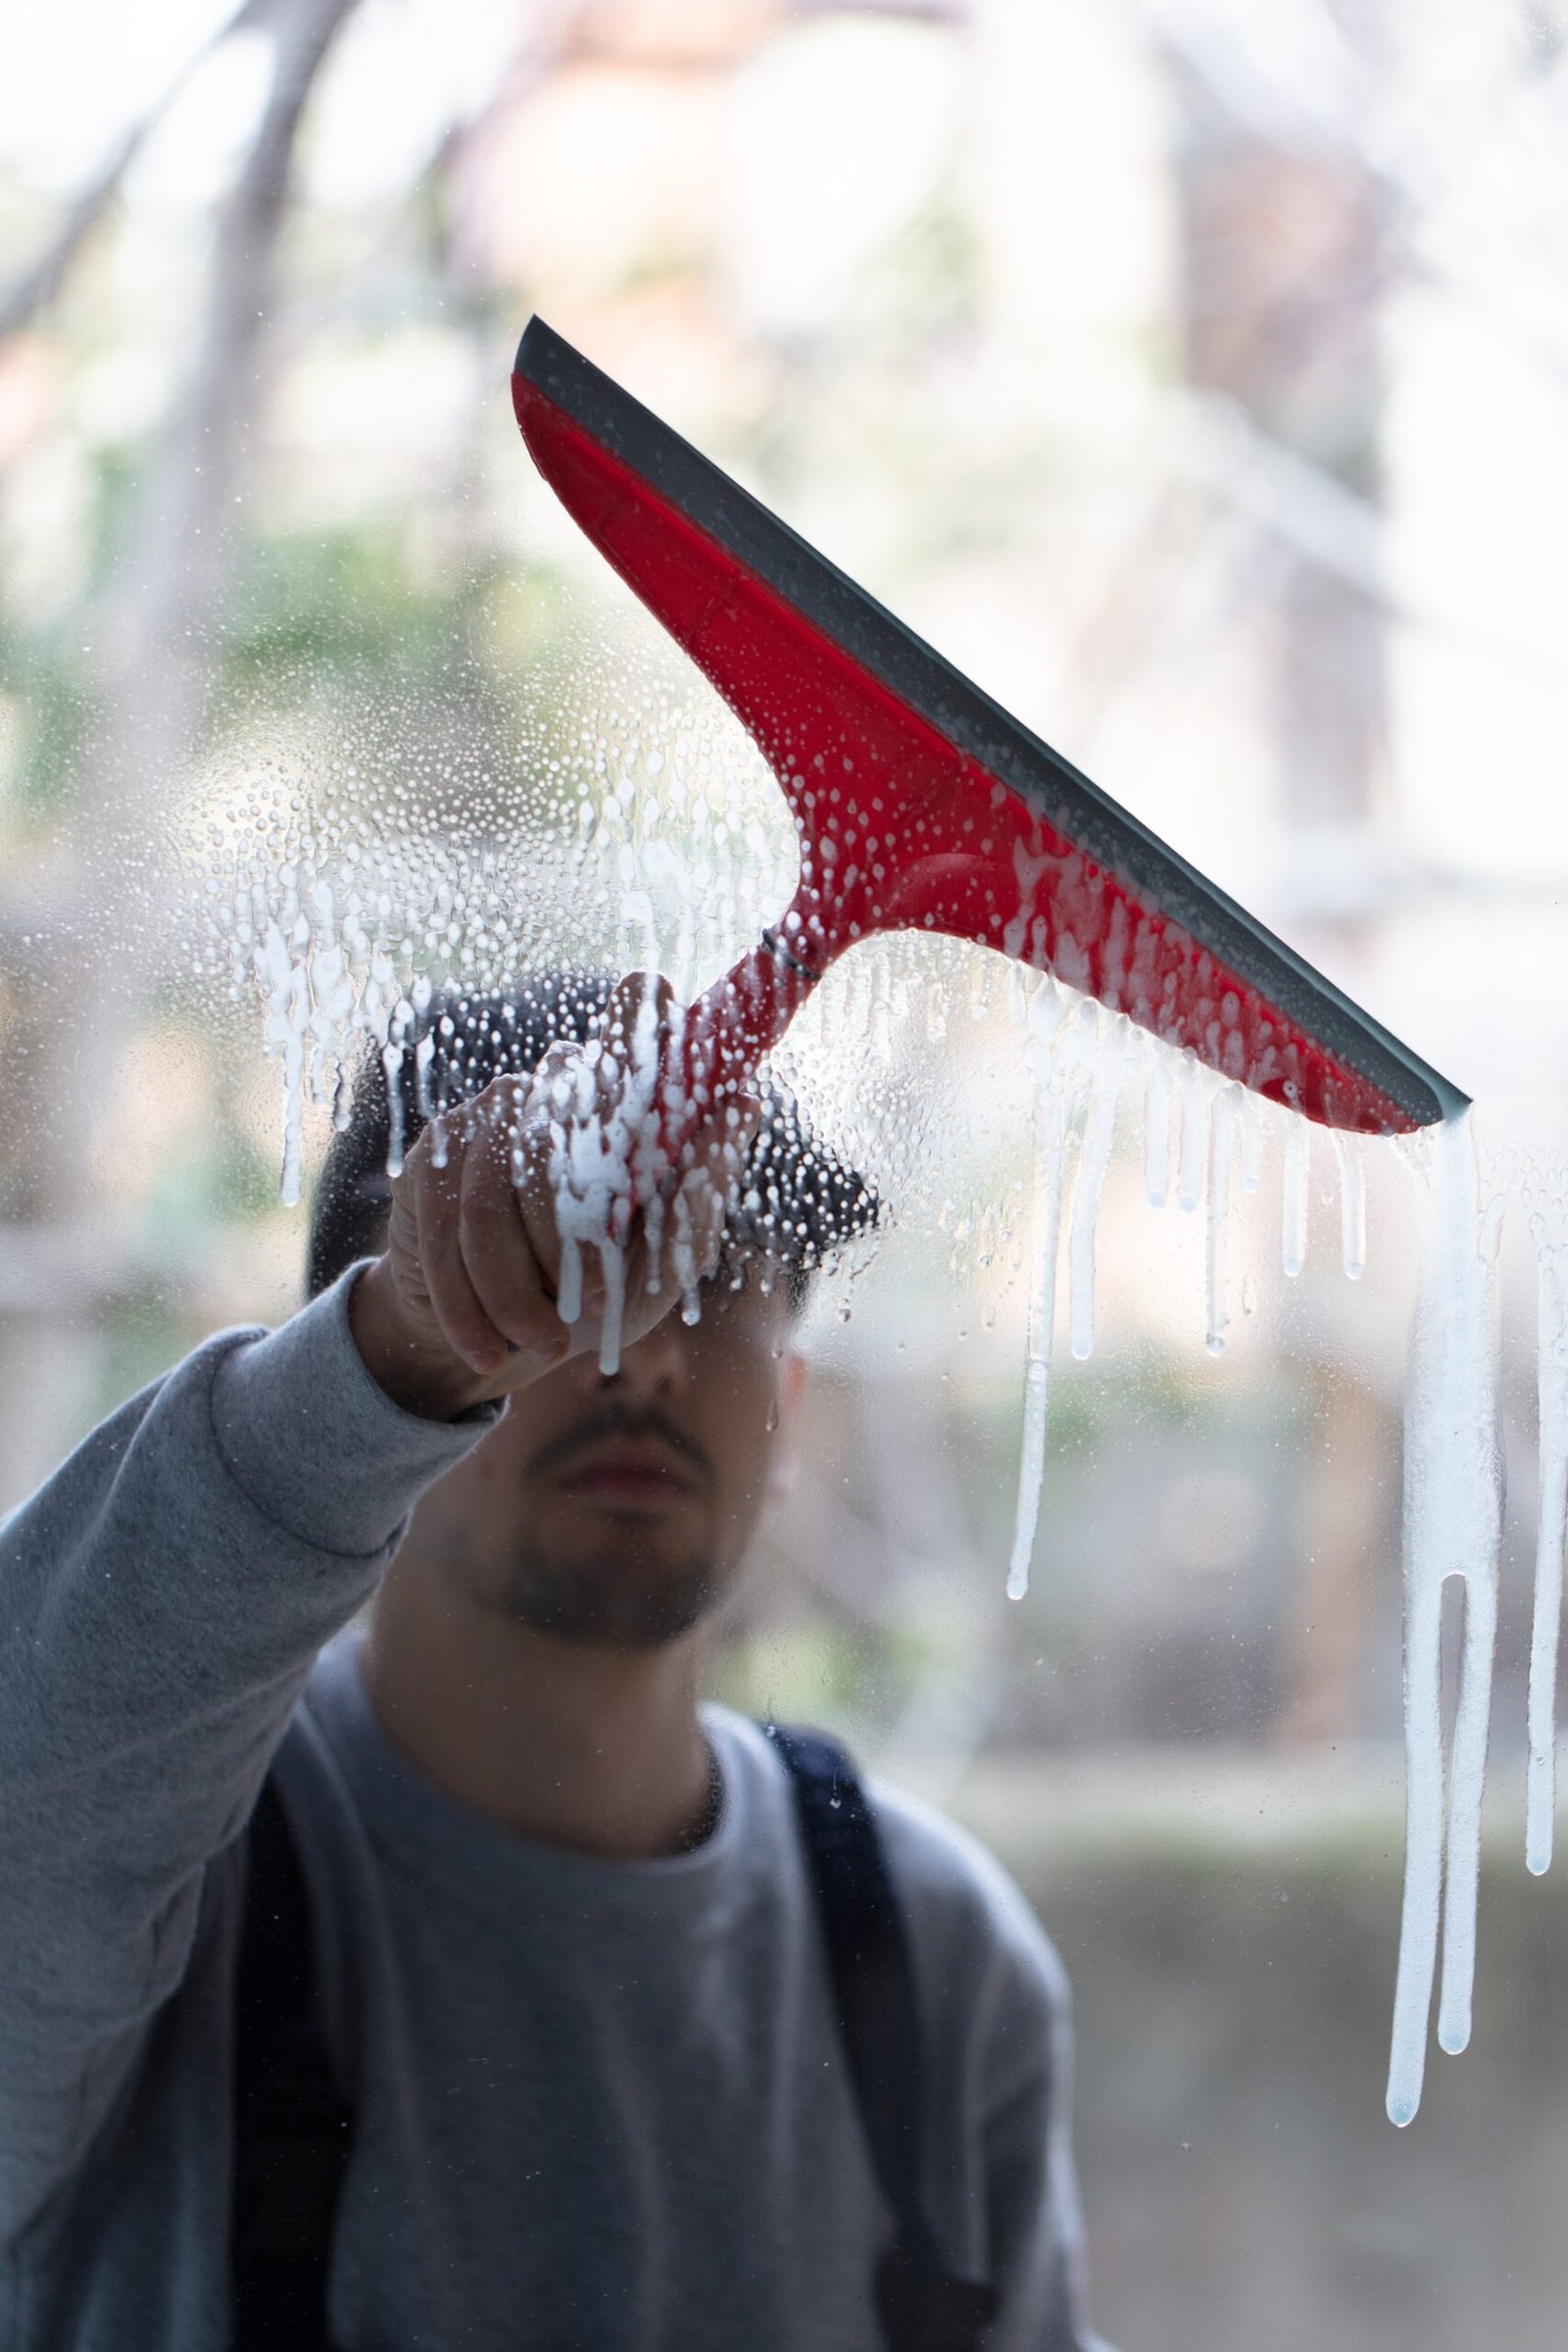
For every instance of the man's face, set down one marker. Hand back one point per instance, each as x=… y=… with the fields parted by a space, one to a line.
x=617 y=1511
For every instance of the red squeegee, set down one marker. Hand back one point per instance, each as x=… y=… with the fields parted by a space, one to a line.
x=919 y=803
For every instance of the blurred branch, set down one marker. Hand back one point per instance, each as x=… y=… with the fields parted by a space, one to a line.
x=1310 y=96
x=167 y=596
x=1325 y=522
x=1306 y=93
x=173 y=583
x=39 y=286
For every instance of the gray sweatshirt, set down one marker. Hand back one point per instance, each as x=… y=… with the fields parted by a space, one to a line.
x=602 y=2106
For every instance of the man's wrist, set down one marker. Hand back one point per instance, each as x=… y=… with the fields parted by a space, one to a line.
x=429 y=1381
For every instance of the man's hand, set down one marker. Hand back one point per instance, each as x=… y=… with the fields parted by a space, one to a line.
x=465 y=1303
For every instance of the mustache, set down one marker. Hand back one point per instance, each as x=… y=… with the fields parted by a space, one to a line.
x=620 y=1421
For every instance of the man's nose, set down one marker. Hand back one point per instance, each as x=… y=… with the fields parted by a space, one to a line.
x=657 y=1363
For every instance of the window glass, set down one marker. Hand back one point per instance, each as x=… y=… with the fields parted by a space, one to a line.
x=1193 y=380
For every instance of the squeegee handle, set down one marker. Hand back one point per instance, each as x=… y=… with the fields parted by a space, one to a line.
x=722 y=1038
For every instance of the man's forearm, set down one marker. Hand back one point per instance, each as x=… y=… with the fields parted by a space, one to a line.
x=162 y=1601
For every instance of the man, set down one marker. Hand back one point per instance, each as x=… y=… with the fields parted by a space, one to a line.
x=563 y=1954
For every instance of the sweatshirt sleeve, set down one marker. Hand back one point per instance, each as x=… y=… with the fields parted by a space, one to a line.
x=161 y=1601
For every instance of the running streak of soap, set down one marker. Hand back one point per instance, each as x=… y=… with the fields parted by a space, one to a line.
x=1540 y=1795
x=1225 y=1119
x=1094 y=1163
x=1452 y=1527
x=1079 y=1063
x=1353 y=1204
x=1199 y=1088
x=399 y=1027
x=1047 y=1018
x=1296 y=1180
x=1251 y=1118
x=597 y=1101
x=1157 y=1131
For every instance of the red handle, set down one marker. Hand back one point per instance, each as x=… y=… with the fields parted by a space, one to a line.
x=714 y=1050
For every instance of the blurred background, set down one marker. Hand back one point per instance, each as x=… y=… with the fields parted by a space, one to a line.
x=1194 y=374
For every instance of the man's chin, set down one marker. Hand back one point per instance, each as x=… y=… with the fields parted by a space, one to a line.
x=631 y=1598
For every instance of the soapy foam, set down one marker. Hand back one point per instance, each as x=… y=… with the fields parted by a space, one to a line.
x=661 y=845
x=1048 y=1015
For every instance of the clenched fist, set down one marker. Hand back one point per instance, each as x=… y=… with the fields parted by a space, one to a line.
x=539 y=1221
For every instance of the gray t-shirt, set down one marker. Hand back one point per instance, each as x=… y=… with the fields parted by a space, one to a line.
x=602 y=2106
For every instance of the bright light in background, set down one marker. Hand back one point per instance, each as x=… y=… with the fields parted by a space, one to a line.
x=404 y=72
x=841 y=131
x=613 y=171
x=196 y=148
x=1066 y=151
x=79 y=75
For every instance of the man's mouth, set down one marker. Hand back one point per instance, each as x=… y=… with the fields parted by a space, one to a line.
x=628 y=1475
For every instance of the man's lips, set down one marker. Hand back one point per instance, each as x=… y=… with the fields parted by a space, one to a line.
x=624 y=1461
x=635 y=1476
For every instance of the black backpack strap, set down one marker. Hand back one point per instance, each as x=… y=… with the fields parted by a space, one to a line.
x=921 y=2306
x=292 y=2126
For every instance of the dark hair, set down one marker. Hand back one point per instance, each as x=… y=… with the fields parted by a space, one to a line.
x=796 y=1202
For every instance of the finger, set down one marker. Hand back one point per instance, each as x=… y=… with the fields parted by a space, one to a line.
x=497 y=1254
x=465 y=1326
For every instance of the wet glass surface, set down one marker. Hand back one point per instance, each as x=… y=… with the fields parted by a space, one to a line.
x=1198 y=390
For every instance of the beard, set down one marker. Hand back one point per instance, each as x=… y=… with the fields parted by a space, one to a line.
x=621 y=1600
x=615 y=1587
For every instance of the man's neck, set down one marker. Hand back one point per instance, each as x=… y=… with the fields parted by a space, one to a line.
x=598 y=1752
